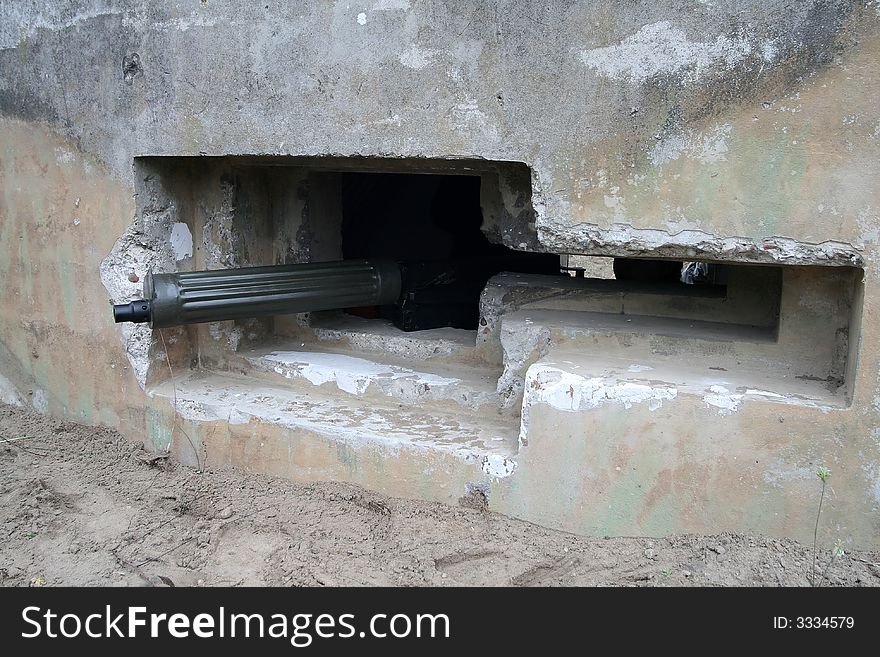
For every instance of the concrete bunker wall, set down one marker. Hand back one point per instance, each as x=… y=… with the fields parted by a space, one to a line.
x=723 y=132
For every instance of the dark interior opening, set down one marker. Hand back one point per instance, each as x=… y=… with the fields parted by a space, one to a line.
x=670 y=271
x=431 y=225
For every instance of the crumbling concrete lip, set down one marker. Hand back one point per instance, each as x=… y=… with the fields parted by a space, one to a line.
x=623 y=240
x=378 y=336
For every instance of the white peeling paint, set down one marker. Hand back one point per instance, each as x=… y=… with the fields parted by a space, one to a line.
x=391 y=5
x=8 y=393
x=349 y=374
x=869 y=225
x=663 y=49
x=875 y=488
x=668 y=150
x=181 y=241
x=362 y=18
x=394 y=119
x=721 y=398
x=705 y=147
x=40 y=401
x=770 y=50
x=417 y=58
x=519 y=344
x=781 y=474
x=498 y=466
x=616 y=204
x=64 y=156
x=137 y=14
x=565 y=391
x=27 y=18
x=763 y=393
x=204 y=410
x=467 y=117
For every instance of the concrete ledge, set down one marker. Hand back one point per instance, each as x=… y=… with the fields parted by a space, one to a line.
x=627 y=453
x=259 y=419
x=385 y=379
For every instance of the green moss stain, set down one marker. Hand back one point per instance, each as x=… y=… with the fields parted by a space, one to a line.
x=25 y=267
x=106 y=416
x=772 y=177
x=54 y=382
x=68 y=283
x=85 y=402
x=190 y=438
x=346 y=457
x=8 y=219
x=158 y=430
x=753 y=190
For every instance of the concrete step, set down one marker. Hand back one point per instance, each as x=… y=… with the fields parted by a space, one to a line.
x=529 y=334
x=489 y=442
x=385 y=378
x=749 y=302
x=572 y=380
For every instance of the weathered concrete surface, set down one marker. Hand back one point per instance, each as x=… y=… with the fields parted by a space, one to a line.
x=60 y=214
x=740 y=131
x=742 y=100
x=644 y=456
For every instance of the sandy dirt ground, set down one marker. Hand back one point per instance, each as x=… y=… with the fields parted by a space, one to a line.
x=83 y=506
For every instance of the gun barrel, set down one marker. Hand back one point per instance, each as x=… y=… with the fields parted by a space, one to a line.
x=211 y=296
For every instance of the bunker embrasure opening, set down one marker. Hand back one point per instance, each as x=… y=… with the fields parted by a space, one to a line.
x=452 y=285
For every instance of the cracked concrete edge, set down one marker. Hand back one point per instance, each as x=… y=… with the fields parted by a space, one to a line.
x=622 y=240
x=522 y=347
x=145 y=246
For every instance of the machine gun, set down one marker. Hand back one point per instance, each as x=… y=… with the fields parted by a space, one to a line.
x=414 y=296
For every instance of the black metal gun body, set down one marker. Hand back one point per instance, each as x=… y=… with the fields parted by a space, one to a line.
x=414 y=296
